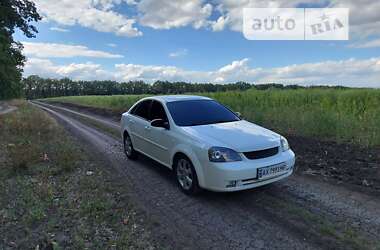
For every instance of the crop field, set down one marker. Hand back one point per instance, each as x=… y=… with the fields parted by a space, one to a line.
x=342 y=115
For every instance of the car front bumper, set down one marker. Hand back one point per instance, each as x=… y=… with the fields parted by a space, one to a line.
x=241 y=175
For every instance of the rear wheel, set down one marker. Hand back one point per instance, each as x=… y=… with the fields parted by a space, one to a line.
x=128 y=147
x=186 y=176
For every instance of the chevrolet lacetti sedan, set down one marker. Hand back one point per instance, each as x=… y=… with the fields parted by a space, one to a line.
x=205 y=143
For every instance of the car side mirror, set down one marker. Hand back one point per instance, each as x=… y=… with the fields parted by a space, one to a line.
x=239 y=115
x=159 y=123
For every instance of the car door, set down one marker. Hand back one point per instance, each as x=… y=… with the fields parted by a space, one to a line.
x=140 y=125
x=160 y=139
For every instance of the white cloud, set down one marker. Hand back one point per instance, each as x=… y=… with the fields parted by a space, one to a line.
x=366 y=44
x=100 y=15
x=59 y=29
x=111 y=45
x=179 y=53
x=220 y=23
x=364 y=14
x=48 y=50
x=80 y=71
x=41 y=67
x=166 y=14
x=234 y=66
x=351 y=72
x=83 y=71
x=131 y=2
x=151 y=73
x=364 y=17
x=232 y=11
x=94 y=14
x=362 y=11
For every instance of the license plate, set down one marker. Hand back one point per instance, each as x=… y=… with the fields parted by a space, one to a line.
x=271 y=171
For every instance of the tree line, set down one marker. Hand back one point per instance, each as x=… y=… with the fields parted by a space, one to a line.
x=37 y=87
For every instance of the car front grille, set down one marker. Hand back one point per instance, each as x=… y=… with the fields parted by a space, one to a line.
x=254 y=155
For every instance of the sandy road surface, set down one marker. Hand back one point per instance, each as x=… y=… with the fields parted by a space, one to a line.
x=297 y=213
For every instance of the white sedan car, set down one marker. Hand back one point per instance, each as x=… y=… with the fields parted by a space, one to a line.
x=205 y=143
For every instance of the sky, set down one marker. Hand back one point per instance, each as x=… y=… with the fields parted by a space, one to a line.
x=195 y=41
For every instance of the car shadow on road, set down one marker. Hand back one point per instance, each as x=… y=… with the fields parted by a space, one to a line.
x=167 y=175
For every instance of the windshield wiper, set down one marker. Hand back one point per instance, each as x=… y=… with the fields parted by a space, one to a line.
x=210 y=122
x=196 y=124
x=223 y=121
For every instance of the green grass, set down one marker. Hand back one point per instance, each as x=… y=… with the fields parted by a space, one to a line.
x=319 y=225
x=47 y=199
x=118 y=103
x=351 y=115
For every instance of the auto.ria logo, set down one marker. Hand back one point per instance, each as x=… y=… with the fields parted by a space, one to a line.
x=296 y=23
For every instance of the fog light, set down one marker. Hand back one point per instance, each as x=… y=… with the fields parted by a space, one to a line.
x=231 y=184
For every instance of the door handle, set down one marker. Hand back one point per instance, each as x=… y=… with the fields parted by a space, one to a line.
x=147 y=127
x=131 y=121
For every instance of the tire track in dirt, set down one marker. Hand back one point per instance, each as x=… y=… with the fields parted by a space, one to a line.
x=5 y=108
x=249 y=219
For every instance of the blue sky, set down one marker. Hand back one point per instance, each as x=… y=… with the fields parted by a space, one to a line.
x=196 y=41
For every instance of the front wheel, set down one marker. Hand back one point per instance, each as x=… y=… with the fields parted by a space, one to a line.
x=128 y=147
x=186 y=176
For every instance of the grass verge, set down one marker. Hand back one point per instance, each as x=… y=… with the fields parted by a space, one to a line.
x=334 y=234
x=53 y=195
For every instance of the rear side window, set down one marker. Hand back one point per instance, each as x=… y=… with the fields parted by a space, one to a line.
x=142 y=109
x=157 y=111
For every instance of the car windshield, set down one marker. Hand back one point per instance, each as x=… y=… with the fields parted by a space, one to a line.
x=200 y=112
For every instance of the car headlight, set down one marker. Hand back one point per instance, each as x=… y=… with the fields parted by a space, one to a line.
x=284 y=144
x=220 y=154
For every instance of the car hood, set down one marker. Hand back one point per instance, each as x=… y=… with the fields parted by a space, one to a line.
x=242 y=136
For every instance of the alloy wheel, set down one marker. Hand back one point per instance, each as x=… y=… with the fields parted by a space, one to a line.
x=128 y=146
x=184 y=174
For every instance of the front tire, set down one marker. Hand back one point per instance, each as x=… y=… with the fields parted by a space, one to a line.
x=128 y=147
x=186 y=176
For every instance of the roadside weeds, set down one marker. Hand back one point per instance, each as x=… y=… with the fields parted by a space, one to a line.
x=53 y=195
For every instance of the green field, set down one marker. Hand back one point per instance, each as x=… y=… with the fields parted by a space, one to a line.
x=343 y=115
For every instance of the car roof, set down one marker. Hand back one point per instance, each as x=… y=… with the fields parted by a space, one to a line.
x=174 y=98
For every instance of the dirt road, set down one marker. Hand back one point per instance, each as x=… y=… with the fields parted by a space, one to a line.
x=5 y=108
x=297 y=213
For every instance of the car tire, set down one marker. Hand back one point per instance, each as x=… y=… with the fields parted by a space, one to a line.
x=186 y=176
x=129 y=151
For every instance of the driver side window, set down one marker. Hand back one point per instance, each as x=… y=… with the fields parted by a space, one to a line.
x=157 y=111
x=142 y=110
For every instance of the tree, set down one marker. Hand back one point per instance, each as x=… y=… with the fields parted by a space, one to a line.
x=14 y=14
